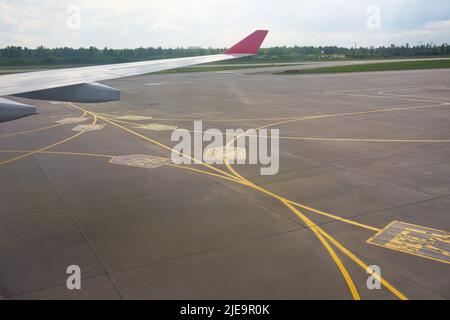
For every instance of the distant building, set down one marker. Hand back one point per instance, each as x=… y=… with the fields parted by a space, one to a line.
x=194 y=47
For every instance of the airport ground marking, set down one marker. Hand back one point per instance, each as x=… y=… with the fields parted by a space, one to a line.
x=303 y=118
x=416 y=240
x=319 y=234
x=323 y=233
x=336 y=259
x=31 y=131
x=67 y=153
x=72 y=120
x=227 y=176
x=348 y=221
x=344 y=139
x=437 y=141
x=140 y=161
x=312 y=226
x=88 y=127
x=47 y=147
x=203 y=172
x=309 y=223
x=233 y=178
x=383 y=93
x=192 y=120
x=383 y=97
x=112 y=122
x=365 y=267
x=288 y=202
x=315 y=229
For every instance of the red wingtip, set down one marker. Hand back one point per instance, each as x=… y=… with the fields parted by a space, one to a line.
x=249 y=45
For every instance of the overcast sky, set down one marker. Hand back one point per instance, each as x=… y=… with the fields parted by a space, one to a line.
x=176 y=23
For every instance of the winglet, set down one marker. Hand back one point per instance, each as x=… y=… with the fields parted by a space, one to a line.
x=249 y=45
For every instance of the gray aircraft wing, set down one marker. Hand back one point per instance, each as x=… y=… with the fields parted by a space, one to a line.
x=80 y=84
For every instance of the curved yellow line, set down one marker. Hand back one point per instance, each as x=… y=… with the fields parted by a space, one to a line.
x=317 y=230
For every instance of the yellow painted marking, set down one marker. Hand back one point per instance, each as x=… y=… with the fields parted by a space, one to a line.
x=289 y=203
x=132 y=118
x=140 y=160
x=326 y=214
x=365 y=267
x=203 y=172
x=88 y=127
x=31 y=131
x=154 y=141
x=318 y=232
x=314 y=228
x=72 y=120
x=333 y=255
x=415 y=240
x=156 y=127
x=220 y=153
x=119 y=118
x=383 y=93
x=47 y=147
x=59 y=153
x=383 y=97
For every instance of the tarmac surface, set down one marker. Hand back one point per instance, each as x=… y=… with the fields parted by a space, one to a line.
x=357 y=152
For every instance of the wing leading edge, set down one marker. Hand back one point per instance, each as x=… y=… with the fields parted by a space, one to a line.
x=41 y=80
x=79 y=84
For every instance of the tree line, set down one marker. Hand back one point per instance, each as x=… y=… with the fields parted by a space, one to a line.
x=22 y=56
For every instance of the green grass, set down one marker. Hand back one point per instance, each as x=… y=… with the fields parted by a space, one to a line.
x=387 y=66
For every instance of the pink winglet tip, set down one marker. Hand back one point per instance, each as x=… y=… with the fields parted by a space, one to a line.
x=249 y=45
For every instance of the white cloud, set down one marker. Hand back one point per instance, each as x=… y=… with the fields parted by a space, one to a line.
x=174 y=23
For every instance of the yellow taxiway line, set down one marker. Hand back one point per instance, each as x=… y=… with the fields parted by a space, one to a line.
x=340 y=265
x=320 y=233
x=59 y=153
x=31 y=131
x=317 y=230
x=47 y=147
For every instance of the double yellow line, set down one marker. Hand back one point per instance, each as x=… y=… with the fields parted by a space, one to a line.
x=324 y=237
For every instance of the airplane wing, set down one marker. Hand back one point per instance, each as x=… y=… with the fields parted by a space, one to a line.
x=79 y=84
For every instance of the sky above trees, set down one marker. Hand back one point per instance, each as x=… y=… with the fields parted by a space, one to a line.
x=210 y=23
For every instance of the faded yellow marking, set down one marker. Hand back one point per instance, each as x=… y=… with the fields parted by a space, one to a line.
x=48 y=147
x=365 y=267
x=156 y=127
x=140 y=160
x=88 y=127
x=203 y=172
x=317 y=230
x=132 y=118
x=72 y=120
x=31 y=131
x=319 y=234
x=288 y=203
x=59 y=153
x=154 y=141
x=415 y=240
x=220 y=153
